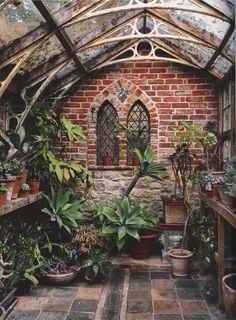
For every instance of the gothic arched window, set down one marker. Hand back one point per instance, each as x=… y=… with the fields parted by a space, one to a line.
x=138 y=128
x=107 y=133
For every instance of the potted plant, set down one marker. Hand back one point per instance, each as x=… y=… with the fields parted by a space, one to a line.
x=7 y=178
x=96 y=266
x=63 y=209
x=229 y=294
x=227 y=185
x=61 y=269
x=185 y=180
x=25 y=190
x=107 y=160
x=34 y=175
x=4 y=189
x=126 y=221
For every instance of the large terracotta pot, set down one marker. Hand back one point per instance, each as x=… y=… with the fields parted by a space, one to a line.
x=34 y=186
x=141 y=249
x=16 y=187
x=10 y=184
x=229 y=294
x=180 y=261
x=175 y=211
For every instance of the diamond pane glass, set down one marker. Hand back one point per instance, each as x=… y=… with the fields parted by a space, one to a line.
x=138 y=129
x=107 y=134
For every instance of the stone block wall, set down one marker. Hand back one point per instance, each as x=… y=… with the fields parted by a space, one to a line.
x=170 y=92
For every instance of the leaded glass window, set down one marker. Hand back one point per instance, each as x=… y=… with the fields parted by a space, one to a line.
x=107 y=133
x=138 y=129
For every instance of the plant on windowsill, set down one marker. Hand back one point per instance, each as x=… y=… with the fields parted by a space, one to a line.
x=107 y=160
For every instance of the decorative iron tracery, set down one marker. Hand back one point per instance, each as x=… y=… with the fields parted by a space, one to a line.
x=138 y=128
x=107 y=133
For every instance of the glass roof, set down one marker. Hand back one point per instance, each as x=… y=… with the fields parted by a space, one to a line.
x=87 y=33
x=18 y=19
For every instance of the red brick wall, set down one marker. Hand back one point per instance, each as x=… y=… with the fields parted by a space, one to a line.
x=171 y=93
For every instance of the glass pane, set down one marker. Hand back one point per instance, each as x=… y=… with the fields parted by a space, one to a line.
x=227 y=119
x=210 y=28
x=94 y=56
x=17 y=20
x=196 y=53
x=48 y=50
x=107 y=133
x=226 y=148
x=78 y=31
x=53 y=5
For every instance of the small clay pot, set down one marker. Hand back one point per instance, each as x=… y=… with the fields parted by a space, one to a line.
x=34 y=186
x=106 y=161
x=16 y=187
x=135 y=161
x=24 y=194
x=180 y=261
x=229 y=294
x=10 y=184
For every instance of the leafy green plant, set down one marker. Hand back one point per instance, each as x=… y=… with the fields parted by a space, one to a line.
x=63 y=208
x=126 y=221
x=87 y=238
x=73 y=131
x=4 y=187
x=25 y=187
x=147 y=168
x=97 y=266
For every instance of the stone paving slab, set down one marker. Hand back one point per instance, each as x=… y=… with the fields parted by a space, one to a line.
x=138 y=293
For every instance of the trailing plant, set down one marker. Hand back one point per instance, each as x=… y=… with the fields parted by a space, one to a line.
x=126 y=220
x=64 y=209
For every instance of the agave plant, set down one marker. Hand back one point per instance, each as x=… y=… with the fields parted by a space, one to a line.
x=126 y=221
x=147 y=167
x=63 y=208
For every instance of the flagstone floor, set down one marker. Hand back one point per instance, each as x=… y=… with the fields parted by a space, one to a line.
x=129 y=294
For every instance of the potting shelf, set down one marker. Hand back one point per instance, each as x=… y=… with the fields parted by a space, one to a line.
x=224 y=214
x=20 y=203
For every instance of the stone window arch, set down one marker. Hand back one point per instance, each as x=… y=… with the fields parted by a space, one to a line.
x=138 y=124
x=107 y=133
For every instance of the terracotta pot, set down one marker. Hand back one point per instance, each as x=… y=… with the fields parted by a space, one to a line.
x=16 y=187
x=24 y=194
x=229 y=294
x=135 y=161
x=106 y=160
x=24 y=176
x=141 y=249
x=34 y=186
x=180 y=262
x=215 y=193
x=3 y=197
x=175 y=211
x=10 y=184
x=61 y=279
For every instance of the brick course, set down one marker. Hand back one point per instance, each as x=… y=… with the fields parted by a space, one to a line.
x=170 y=92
